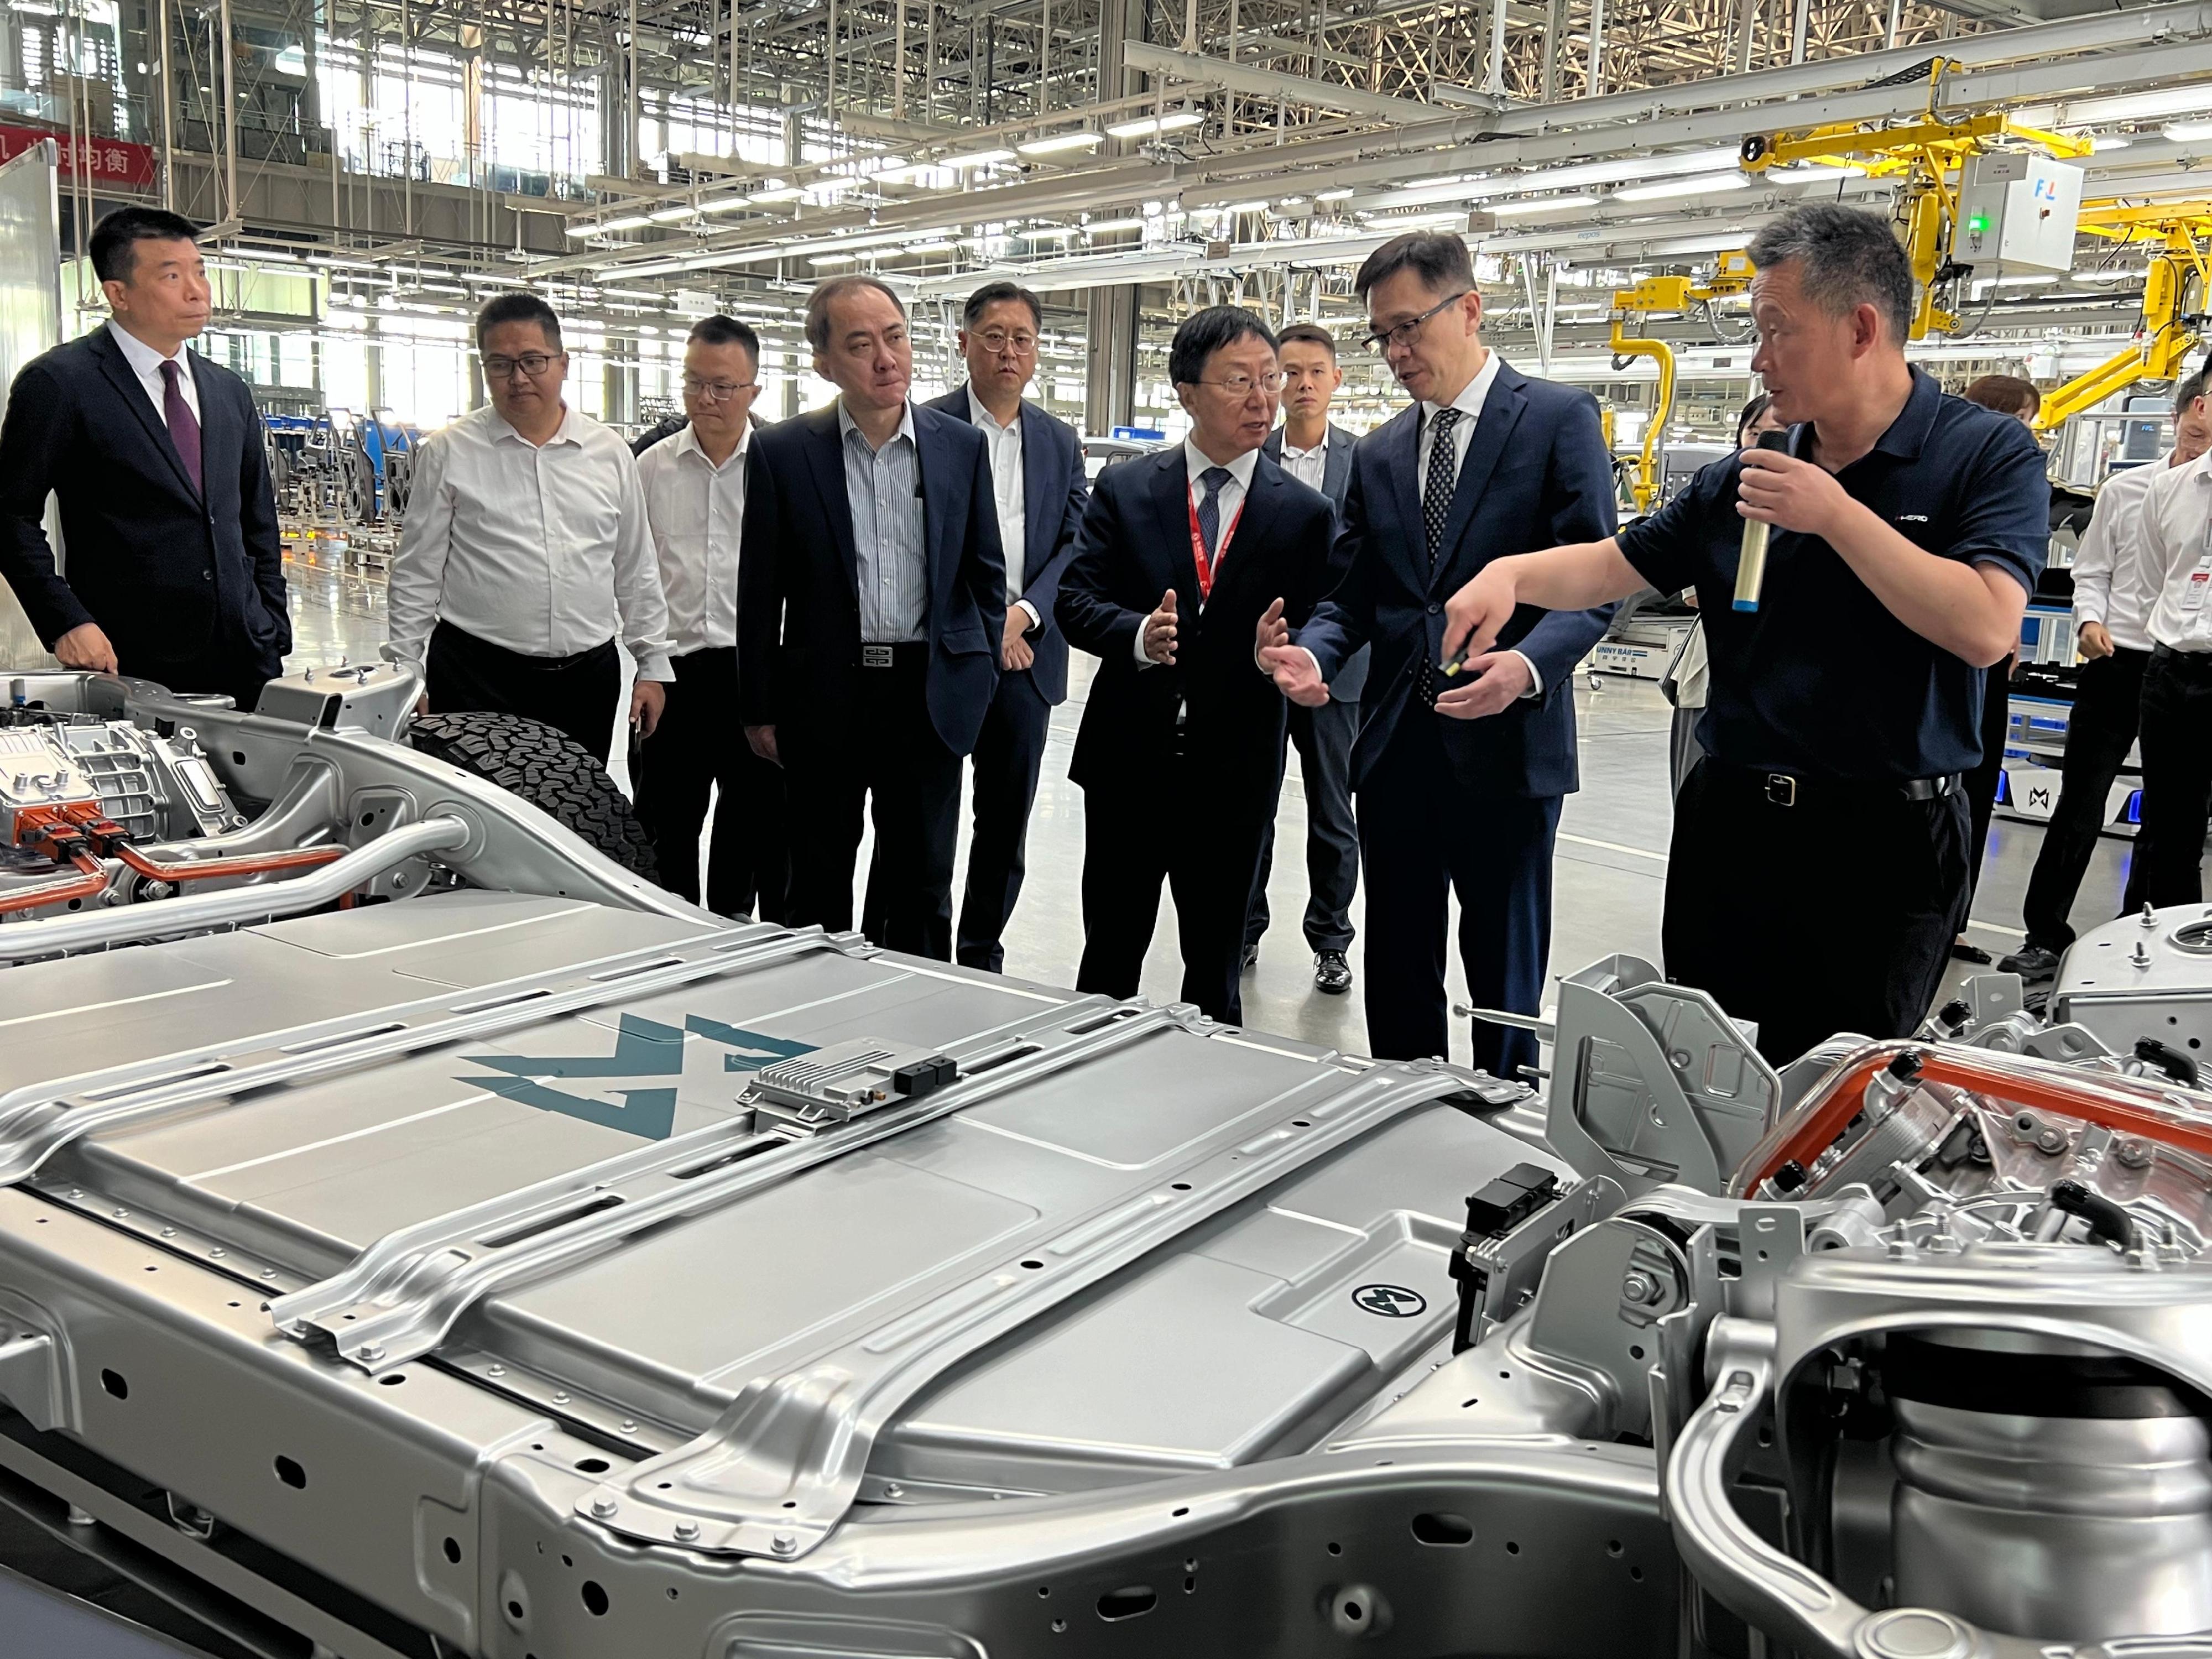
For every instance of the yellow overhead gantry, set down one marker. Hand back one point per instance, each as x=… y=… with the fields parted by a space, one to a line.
x=1676 y=294
x=2174 y=291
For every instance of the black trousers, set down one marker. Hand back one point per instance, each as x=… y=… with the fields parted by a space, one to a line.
x=1834 y=914
x=877 y=750
x=1009 y=757
x=1323 y=739
x=2100 y=729
x=698 y=745
x=1423 y=835
x=234 y=677
x=1981 y=783
x=2168 y=866
x=1181 y=829
x=576 y=695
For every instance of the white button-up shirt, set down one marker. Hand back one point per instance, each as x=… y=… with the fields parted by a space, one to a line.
x=542 y=549
x=697 y=513
x=1005 y=446
x=2109 y=578
x=146 y=363
x=1308 y=466
x=1472 y=396
x=2176 y=555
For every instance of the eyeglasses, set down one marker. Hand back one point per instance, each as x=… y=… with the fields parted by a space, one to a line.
x=715 y=392
x=532 y=363
x=1240 y=386
x=1402 y=334
x=996 y=340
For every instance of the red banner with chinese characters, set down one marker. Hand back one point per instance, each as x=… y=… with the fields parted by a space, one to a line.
x=107 y=160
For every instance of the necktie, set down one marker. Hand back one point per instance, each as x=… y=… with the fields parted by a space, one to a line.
x=184 y=428
x=1209 y=509
x=1442 y=479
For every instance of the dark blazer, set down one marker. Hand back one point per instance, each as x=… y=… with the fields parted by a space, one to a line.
x=1351 y=682
x=1134 y=546
x=799 y=607
x=170 y=577
x=1537 y=474
x=1052 y=477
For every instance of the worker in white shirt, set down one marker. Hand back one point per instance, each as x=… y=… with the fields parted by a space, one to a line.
x=2112 y=614
x=526 y=549
x=695 y=501
x=2177 y=689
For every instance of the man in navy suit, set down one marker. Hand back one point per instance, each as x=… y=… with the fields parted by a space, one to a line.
x=1318 y=453
x=1036 y=475
x=1181 y=557
x=1459 y=779
x=872 y=598
x=175 y=573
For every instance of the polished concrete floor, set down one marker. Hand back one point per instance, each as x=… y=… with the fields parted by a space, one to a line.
x=1611 y=870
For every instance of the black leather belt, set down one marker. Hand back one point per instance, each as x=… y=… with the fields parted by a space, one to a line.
x=1788 y=789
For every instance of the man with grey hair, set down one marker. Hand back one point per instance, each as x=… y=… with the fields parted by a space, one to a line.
x=872 y=598
x=1819 y=867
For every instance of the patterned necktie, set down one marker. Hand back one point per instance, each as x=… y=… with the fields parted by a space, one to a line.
x=1209 y=509
x=184 y=428
x=1442 y=479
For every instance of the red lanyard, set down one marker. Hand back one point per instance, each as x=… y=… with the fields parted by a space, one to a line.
x=1206 y=567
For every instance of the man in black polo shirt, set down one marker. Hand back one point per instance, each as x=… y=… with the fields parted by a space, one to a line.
x=1819 y=867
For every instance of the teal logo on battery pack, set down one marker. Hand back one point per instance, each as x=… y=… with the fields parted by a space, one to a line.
x=644 y=1048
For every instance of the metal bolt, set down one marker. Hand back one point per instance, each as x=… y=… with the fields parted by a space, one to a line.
x=2149 y=917
x=1679 y=1059
x=603 y=1507
x=560 y=1398
x=2051 y=1141
x=2132 y=1155
x=686 y=1531
x=495 y=1371
x=76 y=1192
x=269 y=1272
x=168 y=1232
x=371 y=1351
x=629 y=1423
x=2140 y=957
x=123 y=1215
x=783 y=1543
x=1637 y=1287
x=215 y=1255
x=894 y=1490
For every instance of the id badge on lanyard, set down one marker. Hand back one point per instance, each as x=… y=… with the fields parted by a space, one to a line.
x=1206 y=567
x=2199 y=580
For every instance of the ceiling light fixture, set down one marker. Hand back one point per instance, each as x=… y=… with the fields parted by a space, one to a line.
x=669 y=216
x=1103 y=226
x=1152 y=125
x=1057 y=143
x=980 y=158
x=2139 y=105
x=1700 y=185
x=628 y=222
x=2185 y=132
x=1543 y=204
x=1337 y=195
x=773 y=194
x=820 y=261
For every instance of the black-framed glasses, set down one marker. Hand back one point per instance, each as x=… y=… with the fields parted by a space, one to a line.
x=532 y=363
x=1240 y=386
x=717 y=391
x=1402 y=333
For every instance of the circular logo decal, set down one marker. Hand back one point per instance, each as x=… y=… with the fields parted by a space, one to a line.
x=1391 y=1301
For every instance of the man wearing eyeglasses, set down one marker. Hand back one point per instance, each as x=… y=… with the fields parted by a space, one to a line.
x=1037 y=479
x=695 y=501
x=526 y=550
x=1180 y=557
x=1458 y=778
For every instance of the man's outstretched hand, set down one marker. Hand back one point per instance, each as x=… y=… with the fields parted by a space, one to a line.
x=1487 y=685
x=1291 y=666
x=85 y=647
x=1475 y=615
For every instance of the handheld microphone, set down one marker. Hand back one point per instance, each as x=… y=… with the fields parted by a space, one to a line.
x=1751 y=564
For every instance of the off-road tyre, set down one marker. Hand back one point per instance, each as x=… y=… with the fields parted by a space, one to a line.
x=547 y=769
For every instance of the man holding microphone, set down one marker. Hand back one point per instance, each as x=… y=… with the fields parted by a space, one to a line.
x=1818 y=872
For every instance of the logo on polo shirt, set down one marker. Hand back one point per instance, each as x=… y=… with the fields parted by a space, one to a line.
x=1912 y=518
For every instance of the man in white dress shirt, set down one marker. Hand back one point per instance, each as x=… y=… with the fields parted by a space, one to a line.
x=2176 y=575
x=526 y=550
x=2112 y=612
x=695 y=500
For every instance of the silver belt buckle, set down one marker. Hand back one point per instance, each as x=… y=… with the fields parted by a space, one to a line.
x=1781 y=789
x=876 y=656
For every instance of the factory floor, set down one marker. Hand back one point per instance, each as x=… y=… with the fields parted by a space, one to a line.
x=1609 y=878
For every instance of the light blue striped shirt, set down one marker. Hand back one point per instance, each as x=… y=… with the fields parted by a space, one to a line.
x=884 y=489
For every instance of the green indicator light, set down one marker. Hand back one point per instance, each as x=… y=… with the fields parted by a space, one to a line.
x=1978 y=223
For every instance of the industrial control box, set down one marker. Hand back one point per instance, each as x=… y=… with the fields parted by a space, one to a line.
x=2017 y=212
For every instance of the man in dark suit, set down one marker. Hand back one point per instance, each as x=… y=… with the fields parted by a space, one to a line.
x=1318 y=453
x=175 y=573
x=1459 y=779
x=1180 y=557
x=872 y=597
x=1037 y=474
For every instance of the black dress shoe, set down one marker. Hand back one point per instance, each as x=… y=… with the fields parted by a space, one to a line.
x=1250 y=959
x=1962 y=952
x=1332 y=972
x=2031 y=963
